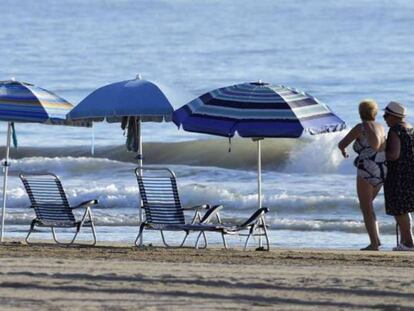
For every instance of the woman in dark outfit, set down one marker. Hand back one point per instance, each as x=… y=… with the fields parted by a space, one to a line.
x=399 y=184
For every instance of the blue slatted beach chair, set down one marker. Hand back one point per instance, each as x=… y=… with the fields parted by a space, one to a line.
x=164 y=212
x=52 y=209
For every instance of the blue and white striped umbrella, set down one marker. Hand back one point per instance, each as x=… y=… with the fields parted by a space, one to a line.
x=24 y=102
x=257 y=110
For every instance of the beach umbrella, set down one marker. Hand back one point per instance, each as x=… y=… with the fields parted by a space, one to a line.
x=24 y=102
x=129 y=102
x=257 y=110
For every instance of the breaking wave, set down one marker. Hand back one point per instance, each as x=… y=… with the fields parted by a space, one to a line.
x=306 y=155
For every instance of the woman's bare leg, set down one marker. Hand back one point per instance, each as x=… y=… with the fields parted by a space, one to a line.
x=404 y=222
x=376 y=190
x=365 y=195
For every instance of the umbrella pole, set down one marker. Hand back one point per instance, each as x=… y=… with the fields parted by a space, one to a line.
x=259 y=179
x=259 y=173
x=6 y=171
x=140 y=160
x=93 y=140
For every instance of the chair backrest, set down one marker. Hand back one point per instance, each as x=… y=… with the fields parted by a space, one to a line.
x=48 y=198
x=159 y=194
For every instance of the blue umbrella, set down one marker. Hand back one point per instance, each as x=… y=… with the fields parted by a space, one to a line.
x=130 y=101
x=135 y=98
x=24 y=102
x=257 y=110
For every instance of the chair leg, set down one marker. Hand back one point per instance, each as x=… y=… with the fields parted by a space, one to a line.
x=222 y=234
x=185 y=238
x=32 y=225
x=88 y=214
x=170 y=246
x=202 y=233
x=139 y=241
x=251 y=231
x=260 y=228
x=247 y=241
x=266 y=234
x=27 y=237
x=198 y=238
x=224 y=240
x=63 y=243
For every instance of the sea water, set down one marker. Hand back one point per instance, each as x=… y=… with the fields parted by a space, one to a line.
x=339 y=51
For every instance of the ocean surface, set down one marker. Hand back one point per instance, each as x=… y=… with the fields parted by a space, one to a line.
x=339 y=51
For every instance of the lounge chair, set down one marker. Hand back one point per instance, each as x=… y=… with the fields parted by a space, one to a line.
x=49 y=201
x=164 y=212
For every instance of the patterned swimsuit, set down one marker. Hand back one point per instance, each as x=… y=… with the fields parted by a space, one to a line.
x=371 y=164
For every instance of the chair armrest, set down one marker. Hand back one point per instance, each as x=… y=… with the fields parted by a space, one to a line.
x=197 y=207
x=210 y=213
x=254 y=217
x=86 y=204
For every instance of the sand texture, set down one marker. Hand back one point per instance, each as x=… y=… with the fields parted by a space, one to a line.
x=49 y=277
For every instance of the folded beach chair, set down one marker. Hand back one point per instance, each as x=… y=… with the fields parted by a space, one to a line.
x=254 y=226
x=164 y=212
x=49 y=201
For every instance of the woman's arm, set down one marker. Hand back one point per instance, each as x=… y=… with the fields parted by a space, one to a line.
x=393 y=146
x=349 y=138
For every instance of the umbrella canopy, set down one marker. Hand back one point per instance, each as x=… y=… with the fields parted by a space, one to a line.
x=257 y=110
x=138 y=98
x=24 y=102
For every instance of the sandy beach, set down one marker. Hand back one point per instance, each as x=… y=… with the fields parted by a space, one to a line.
x=49 y=277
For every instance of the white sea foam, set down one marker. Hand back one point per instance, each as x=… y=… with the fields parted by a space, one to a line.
x=130 y=218
x=115 y=185
x=320 y=155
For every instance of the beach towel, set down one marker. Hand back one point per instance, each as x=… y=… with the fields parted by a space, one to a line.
x=130 y=125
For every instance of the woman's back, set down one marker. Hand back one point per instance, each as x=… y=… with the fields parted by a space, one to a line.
x=371 y=142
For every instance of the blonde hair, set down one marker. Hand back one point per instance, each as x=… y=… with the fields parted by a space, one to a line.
x=368 y=109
